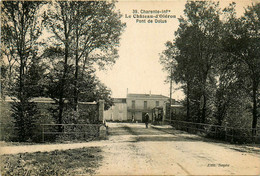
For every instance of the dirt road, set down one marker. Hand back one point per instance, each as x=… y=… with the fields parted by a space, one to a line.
x=134 y=150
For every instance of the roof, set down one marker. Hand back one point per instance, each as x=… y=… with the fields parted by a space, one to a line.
x=41 y=100
x=146 y=96
x=119 y=100
x=177 y=106
x=35 y=99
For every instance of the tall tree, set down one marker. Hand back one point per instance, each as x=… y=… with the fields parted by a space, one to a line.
x=198 y=41
x=59 y=19
x=96 y=35
x=251 y=54
x=242 y=45
x=178 y=70
x=82 y=31
x=21 y=28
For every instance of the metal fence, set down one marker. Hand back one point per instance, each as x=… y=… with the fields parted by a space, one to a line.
x=230 y=134
x=63 y=132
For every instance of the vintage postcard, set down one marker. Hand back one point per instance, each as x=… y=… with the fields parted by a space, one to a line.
x=150 y=87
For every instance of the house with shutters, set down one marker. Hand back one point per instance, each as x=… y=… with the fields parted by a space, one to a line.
x=140 y=104
x=137 y=105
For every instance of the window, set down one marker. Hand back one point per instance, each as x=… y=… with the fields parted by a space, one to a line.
x=133 y=104
x=145 y=104
x=157 y=103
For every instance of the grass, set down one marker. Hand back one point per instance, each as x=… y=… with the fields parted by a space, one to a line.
x=82 y=161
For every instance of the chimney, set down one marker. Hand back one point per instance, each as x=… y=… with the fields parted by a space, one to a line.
x=127 y=91
x=150 y=93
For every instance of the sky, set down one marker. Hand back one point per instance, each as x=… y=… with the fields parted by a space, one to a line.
x=138 y=68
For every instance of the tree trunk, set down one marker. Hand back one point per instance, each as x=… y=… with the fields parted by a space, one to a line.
x=254 y=110
x=76 y=65
x=188 y=102
x=76 y=86
x=76 y=71
x=203 y=117
x=21 y=93
x=84 y=65
x=62 y=83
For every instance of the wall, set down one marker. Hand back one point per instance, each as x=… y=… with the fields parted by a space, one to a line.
x=117 y=112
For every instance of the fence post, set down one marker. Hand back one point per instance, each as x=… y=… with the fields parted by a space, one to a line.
x=254 y=135
x=225 y=134
x=101 y=110
x=215 y=132
x=42 y=133
x=232 y=140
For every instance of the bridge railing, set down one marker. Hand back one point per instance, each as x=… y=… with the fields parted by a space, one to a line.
x=63 y=132
x=230 y=134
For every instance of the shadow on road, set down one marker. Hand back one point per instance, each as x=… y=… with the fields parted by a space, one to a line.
x=139 y=133
x=166 y=138
x=152 y=134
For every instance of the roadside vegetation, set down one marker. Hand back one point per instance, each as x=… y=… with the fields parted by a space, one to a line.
x=52 y=49
x=82 y=161
x=215 y=58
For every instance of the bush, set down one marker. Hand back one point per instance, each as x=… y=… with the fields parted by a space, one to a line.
x=6 y=123
x=24 y=120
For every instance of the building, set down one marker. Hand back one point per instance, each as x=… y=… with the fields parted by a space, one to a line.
x=140 y=104
x=137 y=105
x=117 y=112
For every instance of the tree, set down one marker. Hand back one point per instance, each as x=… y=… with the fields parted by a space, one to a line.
x=178 y=69
x=251 y=54
x=8 y=52
x=94 y=40
x=3 y=76
x=59 y=20
x=241 y=44
x=21 y=28
x=197 y=41
x=227 y=86
x=84 y=32
x=217 y=62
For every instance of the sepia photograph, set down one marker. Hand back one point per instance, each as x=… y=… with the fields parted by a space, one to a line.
x=127 y=87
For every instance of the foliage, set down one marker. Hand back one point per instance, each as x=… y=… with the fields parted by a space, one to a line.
x=241 y=46
x=68 y=162
x=3 y=80
x=195 y=50
x=21 y=28
x=217 y=63
x=6 y=122
x=24 y=117
x=79 y=37
x=81 y=34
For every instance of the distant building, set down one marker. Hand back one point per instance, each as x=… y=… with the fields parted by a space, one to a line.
x=140 y=104
x=137 y=105
x=117 y=112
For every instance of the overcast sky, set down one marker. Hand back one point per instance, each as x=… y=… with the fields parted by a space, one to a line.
x=138 y=67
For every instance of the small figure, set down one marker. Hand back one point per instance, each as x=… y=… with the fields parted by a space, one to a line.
x=146 y=119
x=133 y=119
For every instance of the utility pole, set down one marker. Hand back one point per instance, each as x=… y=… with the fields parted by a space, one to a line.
x=171 y=95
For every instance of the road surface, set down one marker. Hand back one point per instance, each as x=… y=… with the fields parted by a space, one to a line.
x=134 y=150
x=131 y=149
